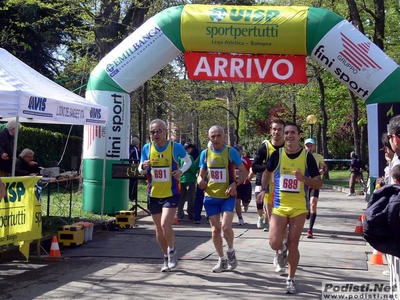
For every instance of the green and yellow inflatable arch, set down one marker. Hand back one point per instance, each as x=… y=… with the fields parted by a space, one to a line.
x=281 y=30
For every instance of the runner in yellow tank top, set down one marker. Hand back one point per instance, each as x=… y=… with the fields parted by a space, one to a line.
x=159 y=161
x=259 y=166
x=217 y=163
x=295 y=170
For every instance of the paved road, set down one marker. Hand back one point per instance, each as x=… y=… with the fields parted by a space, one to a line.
x=125 y=264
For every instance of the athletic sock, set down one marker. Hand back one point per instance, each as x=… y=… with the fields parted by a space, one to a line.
x=313 y=216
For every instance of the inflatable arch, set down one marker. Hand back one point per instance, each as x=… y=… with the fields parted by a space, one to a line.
x=281 y=30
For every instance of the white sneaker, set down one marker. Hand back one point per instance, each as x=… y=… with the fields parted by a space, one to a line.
x=351 y=194
x=282 y=257
x=260 y=222
x=165 y=267
x=172 y=259
x=290 y=287
x=277 y=267
x=241 y=221
x=232 y=261
x=220 y=266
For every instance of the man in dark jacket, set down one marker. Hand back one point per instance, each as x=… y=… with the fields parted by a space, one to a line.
x=25 y=164
x=134 y=158
x=355 y=170
x=6 y=148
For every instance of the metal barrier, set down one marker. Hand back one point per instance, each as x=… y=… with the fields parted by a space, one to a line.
x=337 y=159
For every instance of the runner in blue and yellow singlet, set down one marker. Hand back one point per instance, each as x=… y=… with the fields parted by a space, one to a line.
x=217 y=164
x=160 y=162
x=294 y=170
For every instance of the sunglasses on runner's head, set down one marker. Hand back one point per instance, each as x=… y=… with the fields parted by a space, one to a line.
x=389 y=136
x=156 y=131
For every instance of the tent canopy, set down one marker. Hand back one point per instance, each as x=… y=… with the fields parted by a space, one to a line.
x=27 y=94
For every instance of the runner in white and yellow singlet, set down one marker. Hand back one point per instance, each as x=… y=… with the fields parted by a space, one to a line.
x=294 y=170
x=160 y=161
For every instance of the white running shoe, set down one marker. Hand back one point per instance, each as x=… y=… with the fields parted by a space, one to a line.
x=232 y=261
x=282 y=257
x=165 y=267
x=220 y=266
x=172 y=259
x=277 y=267
x=290 y=287
x=260 y=222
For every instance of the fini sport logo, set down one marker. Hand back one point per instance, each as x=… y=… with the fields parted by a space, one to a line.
x=258 y=15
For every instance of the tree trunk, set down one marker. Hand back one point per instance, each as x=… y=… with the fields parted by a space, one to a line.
x=110 y=30
x=354 y=124
x=355 y=15
x=324 y=126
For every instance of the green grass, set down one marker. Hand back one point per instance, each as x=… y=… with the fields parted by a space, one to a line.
x=338 y=178
x=341 y=178
x=59 y=210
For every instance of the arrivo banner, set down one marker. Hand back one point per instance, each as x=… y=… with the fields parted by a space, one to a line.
x=246 y=67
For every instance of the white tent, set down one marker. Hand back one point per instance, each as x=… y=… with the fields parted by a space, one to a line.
x=29 y=97
x=32 y=97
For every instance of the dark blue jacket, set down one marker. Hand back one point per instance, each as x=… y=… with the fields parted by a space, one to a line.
x=6 y=146
x=382 y=220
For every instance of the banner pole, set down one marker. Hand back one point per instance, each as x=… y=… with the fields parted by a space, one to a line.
x=103 y=185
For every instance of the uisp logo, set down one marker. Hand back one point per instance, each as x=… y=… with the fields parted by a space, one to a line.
x=37 y=103
x=95 y=113
x=217 y=14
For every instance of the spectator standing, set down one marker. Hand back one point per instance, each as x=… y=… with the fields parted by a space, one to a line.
x=6 y=148
x=25 y=164
x=389 y=153
x=199 y=198
x=134 y=157
x=244 y=192
x=355 y=172
x=188 y=187
x=394 y=140
x=159 y=160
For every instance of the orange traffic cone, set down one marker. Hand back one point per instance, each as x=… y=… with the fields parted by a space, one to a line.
x=359 y=226
x=363 y=219
x=55 y=249
x=176 y=221
x=376 y=258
